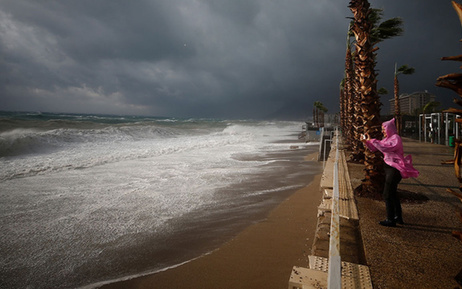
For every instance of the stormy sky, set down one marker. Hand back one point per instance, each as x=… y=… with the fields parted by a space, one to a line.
x=206 y=58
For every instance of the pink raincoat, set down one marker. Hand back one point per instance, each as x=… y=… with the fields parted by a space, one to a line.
x=392 y=149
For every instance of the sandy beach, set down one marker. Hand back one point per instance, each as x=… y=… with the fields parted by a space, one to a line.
x=261 y=256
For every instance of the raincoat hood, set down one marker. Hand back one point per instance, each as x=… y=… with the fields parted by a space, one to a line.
x=390 y=127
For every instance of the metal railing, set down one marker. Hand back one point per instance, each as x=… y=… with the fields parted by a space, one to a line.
x=334 y=276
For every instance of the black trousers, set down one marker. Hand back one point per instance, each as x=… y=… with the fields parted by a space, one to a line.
x=390 y=193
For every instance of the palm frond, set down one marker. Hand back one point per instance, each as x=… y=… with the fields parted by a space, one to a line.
x=458 y=9
x=404 y=69
x=388 y=29
x=375 y=16
x=382 y=91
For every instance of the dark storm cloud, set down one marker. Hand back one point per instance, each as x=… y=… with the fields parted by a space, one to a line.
x=203 y=58
x=432 y=30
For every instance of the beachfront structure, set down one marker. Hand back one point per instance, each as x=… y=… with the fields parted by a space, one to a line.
x=439 y=128
x=410 y=102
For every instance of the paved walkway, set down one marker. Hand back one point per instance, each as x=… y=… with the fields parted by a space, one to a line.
x=422 y=253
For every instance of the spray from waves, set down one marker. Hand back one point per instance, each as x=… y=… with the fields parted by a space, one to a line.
x=19 y=141
x=32 y=144
x=29 y=141
x=42 y=152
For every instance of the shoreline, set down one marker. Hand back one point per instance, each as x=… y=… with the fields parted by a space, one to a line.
x=261 y=255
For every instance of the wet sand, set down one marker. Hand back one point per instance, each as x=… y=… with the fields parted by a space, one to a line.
x=261 y=256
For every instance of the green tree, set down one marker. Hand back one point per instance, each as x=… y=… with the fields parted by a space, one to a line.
x=368 y=33
x=380 y=31
x=397 y=111
x=342 y=105
x=318 y=113
x=382 y=91
x=431 y=107
x=348 y=93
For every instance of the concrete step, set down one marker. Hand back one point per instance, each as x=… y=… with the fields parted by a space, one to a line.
x=354 y=276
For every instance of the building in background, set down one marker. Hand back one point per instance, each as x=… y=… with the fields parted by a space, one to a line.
x=411 y=102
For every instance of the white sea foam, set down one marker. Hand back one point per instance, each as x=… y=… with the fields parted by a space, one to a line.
x=76 y=194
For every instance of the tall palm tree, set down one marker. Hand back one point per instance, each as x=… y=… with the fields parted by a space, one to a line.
x=367 y=93
x=368 y=31
x=402 y=70
x=380 y=31
x=349 y=95
x=318 y=113
x=342 y=105
x=353 y=109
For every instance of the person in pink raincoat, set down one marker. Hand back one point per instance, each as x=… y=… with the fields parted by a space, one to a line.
x=396 y=167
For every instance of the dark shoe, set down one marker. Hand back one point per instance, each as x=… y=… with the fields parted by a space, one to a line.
x=388 y=223
x=399 y=220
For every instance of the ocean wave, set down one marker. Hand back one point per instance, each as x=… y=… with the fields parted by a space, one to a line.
x=27 y=141
x=59 y=150
x=23 y=141
x=36 y=151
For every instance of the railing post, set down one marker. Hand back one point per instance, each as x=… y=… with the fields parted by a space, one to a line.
x=321 y=143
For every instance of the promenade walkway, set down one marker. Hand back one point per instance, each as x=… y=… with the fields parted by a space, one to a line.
x=421 y=253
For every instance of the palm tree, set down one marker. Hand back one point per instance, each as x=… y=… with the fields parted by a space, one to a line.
x=349 y=95
x=368 y=32
x=369 y=101
x=342 y=105
x=402 y=70
x=378 y=33
x=318 y=113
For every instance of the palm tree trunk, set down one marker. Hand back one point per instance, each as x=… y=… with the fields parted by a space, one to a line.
x=397 y=111
x=357 y=129
x=368 y=97
x=342 y=108
x=315 y=117
x=349 y=106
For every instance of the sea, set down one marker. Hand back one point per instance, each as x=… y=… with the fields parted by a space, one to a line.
x=87 y=200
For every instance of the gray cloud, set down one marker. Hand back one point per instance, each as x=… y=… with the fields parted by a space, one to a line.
x=203 y=58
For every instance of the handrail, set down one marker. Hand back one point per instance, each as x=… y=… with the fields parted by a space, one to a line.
x=334 y=271
x=325 y=155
